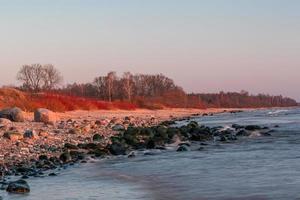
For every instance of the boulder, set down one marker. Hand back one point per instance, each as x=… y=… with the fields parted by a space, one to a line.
x=43 y=134
x=182 y=148
x=29 y=134
x=97 y=137
x=13 y=135
x=172 y=131
x=65 y=157
x=77 y=155
x=14 y=114
x=117 y=149
x=227 y=134
x=18 y=187
x=86 y=129
x=118 y=127
x=129 y=118
x=54 y=160
x=268 y=133
x=150 y=144
x=88 y=146
x=200 y=133
x=223 y=138
x=131 y=155
x=130 y=135
x=5 y=122
x=44 y=115
x=237 y=126
x=243 y=133
x=162 y=132
x=43 y=157
x=253 y=128
x=193 y=124
x=71 y=146
x=99 y=152
x=23 y=170
x=52 y=174
x=102 y=122
x=74 y=131
x=168 y=123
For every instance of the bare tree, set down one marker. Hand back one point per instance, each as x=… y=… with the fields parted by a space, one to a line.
x=52 y=77
x=110 y=81
x=127 y=83
x=31 y=76
x=100 y=84
x=36 y=77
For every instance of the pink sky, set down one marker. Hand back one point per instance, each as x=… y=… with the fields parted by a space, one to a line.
x=205 y=46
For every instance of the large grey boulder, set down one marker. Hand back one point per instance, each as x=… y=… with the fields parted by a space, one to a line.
x=44 y=115
x=14 y=114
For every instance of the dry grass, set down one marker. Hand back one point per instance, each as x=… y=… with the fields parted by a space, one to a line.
x=11 y=97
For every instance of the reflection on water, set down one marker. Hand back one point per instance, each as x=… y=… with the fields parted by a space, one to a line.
x=81 y=182
x=259 y=168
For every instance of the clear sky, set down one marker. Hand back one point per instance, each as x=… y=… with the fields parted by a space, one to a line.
x=204 y=45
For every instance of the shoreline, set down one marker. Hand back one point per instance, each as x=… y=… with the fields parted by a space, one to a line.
x=84 y=121
x=96 y=133
x=87 y=123
x=162 y=114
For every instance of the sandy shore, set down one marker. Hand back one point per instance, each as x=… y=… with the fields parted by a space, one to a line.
x=165 y=114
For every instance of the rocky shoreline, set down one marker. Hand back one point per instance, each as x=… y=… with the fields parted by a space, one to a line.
x=37 y=149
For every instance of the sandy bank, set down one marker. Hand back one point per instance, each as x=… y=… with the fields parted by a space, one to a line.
x=164 y=114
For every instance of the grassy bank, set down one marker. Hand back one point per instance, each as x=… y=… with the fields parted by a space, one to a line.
x=28 y=102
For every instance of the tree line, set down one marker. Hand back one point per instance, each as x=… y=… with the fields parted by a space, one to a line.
x=145 y=90
x=241 y=100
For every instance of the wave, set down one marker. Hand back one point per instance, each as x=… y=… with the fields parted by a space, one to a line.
x=277 y=112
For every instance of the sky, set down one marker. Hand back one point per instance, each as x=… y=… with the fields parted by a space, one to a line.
x=204 y=45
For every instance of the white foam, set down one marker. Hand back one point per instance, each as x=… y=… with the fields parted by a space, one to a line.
x=276 y=112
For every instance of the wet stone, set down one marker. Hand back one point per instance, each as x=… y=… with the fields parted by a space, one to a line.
x=18 y=187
